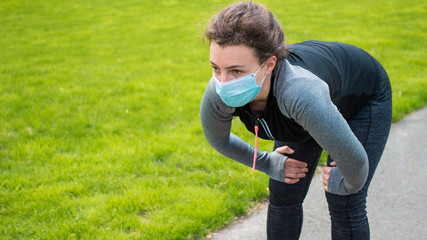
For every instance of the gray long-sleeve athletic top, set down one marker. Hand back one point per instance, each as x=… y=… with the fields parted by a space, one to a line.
x=314 y=91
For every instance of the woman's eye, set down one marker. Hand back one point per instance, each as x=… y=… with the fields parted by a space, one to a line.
x=237 y=72
x=215 y=68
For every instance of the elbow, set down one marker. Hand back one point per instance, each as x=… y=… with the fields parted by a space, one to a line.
x=360 y=181
x=354 y=188
x=217 y=144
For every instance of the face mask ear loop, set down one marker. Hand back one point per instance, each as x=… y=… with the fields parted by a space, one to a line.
x=258 y=71
x=263 y=80
x=259 y=68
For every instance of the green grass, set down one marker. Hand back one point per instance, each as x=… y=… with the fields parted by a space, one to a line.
x=99 y=126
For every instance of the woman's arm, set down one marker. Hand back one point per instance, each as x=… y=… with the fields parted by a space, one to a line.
x=216 y=121
x=308 y=103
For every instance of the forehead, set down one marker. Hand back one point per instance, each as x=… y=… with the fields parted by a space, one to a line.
x=229 y=55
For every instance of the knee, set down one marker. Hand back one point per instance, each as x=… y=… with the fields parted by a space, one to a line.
x=347 y=208
x=285 y=195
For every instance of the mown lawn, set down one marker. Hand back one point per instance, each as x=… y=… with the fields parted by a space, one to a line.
x=99 y=126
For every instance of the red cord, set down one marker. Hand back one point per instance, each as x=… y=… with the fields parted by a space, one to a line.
x=256 y=147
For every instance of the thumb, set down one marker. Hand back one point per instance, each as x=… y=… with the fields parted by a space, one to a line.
x=285 y=150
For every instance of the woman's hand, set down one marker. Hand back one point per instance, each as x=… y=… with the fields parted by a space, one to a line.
x=325 y=175
x=294 y=169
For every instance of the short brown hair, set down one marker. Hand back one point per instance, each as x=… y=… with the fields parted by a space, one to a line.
x=250 y=24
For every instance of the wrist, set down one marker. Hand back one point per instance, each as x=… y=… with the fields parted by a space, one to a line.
x=277 y=166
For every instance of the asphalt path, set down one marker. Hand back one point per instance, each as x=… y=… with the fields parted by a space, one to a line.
x=397 y=200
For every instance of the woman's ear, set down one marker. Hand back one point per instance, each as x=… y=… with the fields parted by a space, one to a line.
x=271 y=63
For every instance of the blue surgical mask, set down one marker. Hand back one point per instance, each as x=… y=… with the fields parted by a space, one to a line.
x=240 y=91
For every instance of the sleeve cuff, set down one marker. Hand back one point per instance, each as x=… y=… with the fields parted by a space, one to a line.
x=336 y=182
x=277 y=165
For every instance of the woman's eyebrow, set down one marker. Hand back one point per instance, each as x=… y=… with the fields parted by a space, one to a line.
x=230 y=67
x=235 y=66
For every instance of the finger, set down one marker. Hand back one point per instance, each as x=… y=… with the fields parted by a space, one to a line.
x=291 y=180
x=326 y=188
x=333 y=163
x=295 y=175
x=326 y=170
x=290 y=169
x=285 y=150
x=295 y=163
x=325 y=181
x=325 y=177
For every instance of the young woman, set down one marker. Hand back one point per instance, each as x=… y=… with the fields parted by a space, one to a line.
x=306 y=97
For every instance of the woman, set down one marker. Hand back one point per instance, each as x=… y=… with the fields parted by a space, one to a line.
x=306 y=97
